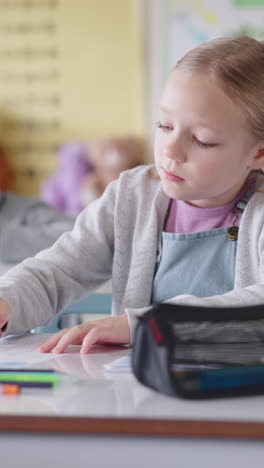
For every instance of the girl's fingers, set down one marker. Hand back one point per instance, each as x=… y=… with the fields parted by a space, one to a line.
x=47 y=345
x=74 y=335
x=91 y=338
x=4 y=312
x=113 y=330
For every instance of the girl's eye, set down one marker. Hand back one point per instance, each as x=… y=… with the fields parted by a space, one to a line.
x=166 y=128
x=204 y=145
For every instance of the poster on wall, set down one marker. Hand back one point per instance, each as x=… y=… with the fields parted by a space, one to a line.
x=187 y=23
x=30 y=88
x=71 y=70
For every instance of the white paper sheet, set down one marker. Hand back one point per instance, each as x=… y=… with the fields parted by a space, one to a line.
x=120 y=365
x=9 y=356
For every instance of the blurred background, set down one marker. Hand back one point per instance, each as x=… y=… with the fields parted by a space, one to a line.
x=80 y=82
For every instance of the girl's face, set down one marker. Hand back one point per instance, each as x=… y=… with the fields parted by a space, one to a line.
x=203 y=147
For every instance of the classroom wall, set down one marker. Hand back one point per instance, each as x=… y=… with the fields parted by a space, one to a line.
x=69 y=70
x=176 y=26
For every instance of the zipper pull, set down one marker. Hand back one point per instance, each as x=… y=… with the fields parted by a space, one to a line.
x=155 y=330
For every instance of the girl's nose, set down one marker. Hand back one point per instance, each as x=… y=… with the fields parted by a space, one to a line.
x=175 y=150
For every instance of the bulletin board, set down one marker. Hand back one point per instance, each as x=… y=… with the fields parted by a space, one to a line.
x=187 y=23
x=70 y=70
x=177 y=26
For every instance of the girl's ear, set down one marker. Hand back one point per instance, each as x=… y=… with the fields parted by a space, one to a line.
x=258 y=160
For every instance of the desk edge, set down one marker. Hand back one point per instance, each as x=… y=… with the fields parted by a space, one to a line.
x=132 y=427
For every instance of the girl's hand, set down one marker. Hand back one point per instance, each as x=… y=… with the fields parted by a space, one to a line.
x=112 y=330
x=4 y=314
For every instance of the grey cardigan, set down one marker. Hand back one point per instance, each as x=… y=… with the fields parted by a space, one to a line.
x=118 y=236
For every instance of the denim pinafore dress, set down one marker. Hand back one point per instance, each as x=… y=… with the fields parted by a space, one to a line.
x=199 y=263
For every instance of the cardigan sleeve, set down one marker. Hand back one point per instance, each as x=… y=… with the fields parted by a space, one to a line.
x=78 y=263
x=249 y=296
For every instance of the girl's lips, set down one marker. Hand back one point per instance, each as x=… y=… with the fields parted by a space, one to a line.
x=171 y=176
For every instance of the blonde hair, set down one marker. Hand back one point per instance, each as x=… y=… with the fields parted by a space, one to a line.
x=236 y=64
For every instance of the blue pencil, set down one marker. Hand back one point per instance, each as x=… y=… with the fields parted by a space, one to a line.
x=28 y=384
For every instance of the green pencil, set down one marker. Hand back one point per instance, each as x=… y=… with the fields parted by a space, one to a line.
x=52 y=378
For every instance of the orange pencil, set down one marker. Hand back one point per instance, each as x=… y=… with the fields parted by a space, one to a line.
x=9 y=389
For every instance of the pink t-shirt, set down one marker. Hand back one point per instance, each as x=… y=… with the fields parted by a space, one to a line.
x=184 y=218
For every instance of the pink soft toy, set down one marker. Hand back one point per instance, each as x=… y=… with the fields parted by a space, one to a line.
x=109 y=157
x=62 y=190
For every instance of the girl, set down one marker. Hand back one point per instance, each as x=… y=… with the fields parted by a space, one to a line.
x=191 y=235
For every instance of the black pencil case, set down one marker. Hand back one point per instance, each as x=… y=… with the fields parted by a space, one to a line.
x=170 y=335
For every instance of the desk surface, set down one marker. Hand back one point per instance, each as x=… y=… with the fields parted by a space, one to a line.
x=97 y=402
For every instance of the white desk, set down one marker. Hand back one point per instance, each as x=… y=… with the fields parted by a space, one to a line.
x=205 y=433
